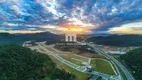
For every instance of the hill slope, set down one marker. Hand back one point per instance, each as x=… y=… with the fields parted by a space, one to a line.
x=20 y=38
x=118 y=40
x=19 y=63
x=133 y=59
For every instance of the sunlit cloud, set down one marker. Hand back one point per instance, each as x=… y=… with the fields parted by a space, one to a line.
x=49 y=26
x=76 y=21
x=131 y=28
x=47 y=14
x=66 y=28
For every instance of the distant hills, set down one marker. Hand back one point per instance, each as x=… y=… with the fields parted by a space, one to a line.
x=117 y=40
x=110 y=40
x=20 y=38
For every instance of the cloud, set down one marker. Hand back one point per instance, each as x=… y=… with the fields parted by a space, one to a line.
x=94 y=14
x=130 y=28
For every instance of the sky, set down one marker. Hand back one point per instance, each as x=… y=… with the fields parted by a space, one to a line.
x=35 y=16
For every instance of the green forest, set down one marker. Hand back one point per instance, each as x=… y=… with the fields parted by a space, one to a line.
x=20 y=63
x=20 y=38
x=117 y=40
x=133 y=59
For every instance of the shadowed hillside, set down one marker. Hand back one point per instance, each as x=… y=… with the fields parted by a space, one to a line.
x=20 y=38
x=118 y=40
x=133 y=59
x=19 y=63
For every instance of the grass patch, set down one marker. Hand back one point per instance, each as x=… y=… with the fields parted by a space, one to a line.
x=69 y=58
x=81 y=58
x=60 y=65
x=42 y=50
x=102 y=66
x=79 y=75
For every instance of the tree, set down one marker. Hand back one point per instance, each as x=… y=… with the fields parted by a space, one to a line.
x=133 y=59
x=20 y=63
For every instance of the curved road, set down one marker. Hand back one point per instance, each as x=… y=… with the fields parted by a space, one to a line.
x=77 y=67
x=125 y=71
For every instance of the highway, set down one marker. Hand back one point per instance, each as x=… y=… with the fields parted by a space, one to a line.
x=124 y=70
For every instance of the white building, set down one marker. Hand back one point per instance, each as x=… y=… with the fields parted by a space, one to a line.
x=70 y=37
x=117 y=52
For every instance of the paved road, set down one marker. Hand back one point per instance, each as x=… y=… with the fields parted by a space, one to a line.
x=126 y=72
x=79 y=68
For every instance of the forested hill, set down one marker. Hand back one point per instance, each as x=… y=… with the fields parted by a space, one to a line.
x=20 y=38
x=118 y=40
x=133 y=59
x=19 y=63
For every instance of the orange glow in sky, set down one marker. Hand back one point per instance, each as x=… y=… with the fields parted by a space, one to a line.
x=72 y=29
